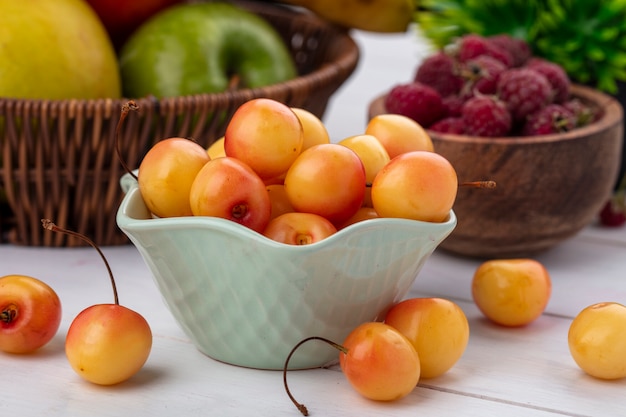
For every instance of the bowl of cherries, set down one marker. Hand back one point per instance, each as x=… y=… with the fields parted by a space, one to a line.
x=498 y=113
x=274 y=234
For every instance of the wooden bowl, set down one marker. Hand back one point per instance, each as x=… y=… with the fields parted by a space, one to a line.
x=549 y=187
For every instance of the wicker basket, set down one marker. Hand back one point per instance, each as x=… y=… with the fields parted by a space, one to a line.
x=58 y=157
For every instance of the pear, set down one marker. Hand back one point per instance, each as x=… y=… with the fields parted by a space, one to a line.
x=55 y=49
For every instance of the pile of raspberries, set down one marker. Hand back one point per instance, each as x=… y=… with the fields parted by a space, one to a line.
x=490 y=86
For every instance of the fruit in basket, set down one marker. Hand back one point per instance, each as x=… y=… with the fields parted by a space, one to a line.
x=30 y=313
x=55 y=49
x=228 y=188
x=265 y=134
x=418 y=185
x=296 y=228
x=328 y=180
x=597 y=341
x=511 y=292
x=121 y=18
x=438 y=329
x=106 y=343
x=208 y=47
x=166 y=173
x=378 y=361
x=374 y=15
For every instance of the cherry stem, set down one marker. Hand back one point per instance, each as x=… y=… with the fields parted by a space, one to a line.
x=126 y=108
x=49 y=225
x=466 y=184
x=478 y=184
x=301 y=407
x=9 y=313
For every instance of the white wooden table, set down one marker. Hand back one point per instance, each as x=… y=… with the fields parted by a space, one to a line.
x=525 y=372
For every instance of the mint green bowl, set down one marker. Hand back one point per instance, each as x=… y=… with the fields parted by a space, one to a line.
x=247 y=300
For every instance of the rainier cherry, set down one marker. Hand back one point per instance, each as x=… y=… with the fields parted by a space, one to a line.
x=511 y=292
x=328 y=180
x=166 y=171
x=266 y=135
x=30 y=313
x=216 y=149
x=106 y=343
x=399 y=134
x=373 y=155
x=166 y=174
x=299 y=228
x=228 y=188
x=377 y=360
x=417 y=185
x=279 y=201
x=438 y=329
x=597 y=340
x=315 y=132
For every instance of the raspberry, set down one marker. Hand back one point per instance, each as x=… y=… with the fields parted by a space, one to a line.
x=553 y=118
x=454 y=125
x=452 y=106
x=439 y=71
x=417 y=101
x=613 y=214
x=583 y=113
x=524 y=91
x=556 y=75
x=518 y=48
x=481 y=75
x=472 y=45
x=486 y=116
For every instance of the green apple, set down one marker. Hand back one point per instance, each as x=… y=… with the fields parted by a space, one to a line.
x=195 y=48
x=55 y=49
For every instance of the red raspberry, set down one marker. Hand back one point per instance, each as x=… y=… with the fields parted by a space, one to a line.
x=524 y=91
x=613 y=214
x=518 y=48
x=583 y=113
x=452 y=105
x=454 y=125
x=471 y=45
x=553 y=118
x=481 y=75
x=486 y=116
x=417 y=101
x=440 y=72
x=556 y=75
